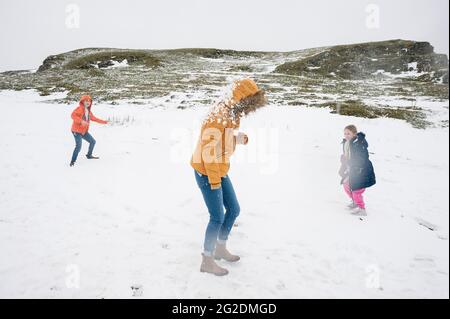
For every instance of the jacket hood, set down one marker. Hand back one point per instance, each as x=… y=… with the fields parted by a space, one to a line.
x=243 y=89
x=361 y=139
x=85 y=98
x=361 y=135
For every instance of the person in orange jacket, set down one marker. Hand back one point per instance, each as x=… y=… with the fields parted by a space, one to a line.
x=82 y=116
x=210 y=161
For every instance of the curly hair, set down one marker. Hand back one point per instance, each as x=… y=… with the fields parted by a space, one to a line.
x=227 y=111
x=251 y=103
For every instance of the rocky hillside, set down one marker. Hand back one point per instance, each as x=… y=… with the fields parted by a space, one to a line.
x=361 y=61
x=400 y=79
x=97 y=58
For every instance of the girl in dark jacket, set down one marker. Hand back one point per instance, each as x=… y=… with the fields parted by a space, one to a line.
x=356 y=169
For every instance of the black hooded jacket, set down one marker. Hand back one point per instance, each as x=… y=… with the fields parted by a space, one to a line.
x=361 y=172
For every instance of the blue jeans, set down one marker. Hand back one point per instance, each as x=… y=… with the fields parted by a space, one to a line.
x=220 y=223
x=78 y=137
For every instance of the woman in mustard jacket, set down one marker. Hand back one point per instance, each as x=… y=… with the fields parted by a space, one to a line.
x=210 y=161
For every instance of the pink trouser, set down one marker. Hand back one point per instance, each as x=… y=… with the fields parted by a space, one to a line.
x=356 y=196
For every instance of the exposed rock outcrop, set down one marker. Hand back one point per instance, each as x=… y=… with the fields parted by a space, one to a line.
x=364 y=60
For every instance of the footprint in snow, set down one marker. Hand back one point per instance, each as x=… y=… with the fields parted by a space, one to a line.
x=185 y=202
x=423 y=262
x=281 y=286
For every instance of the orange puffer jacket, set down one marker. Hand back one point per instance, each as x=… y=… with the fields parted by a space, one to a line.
x=78 y=117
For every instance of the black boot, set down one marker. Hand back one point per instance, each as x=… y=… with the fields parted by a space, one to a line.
x=72 y=164
x=92 y=157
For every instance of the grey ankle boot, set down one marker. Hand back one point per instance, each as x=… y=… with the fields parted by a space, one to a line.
x=222 y=253
x=209 y=266
x=352 y=206
x=359 y=212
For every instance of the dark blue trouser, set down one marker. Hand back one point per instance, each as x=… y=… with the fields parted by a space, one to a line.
x=220 y=224
x=78 y=137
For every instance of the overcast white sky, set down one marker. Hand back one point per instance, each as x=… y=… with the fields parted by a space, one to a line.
x=32 y=30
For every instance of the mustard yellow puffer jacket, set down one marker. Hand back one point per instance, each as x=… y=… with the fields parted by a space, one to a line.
x=217 y=141
x=215 y=146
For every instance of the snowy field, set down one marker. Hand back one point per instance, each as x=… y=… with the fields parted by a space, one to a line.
x=136 y=216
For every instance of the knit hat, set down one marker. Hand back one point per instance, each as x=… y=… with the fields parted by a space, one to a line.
x=244 y=88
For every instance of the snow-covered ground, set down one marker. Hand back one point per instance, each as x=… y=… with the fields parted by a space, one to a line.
x=136 y=216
